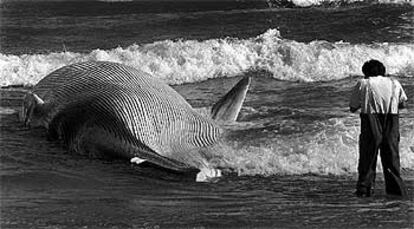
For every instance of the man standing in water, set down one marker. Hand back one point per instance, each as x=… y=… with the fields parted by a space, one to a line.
x=380 y=99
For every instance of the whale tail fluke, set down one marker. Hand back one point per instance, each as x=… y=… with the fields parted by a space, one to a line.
x=228 y=107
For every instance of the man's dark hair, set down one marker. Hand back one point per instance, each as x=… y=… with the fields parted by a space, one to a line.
x=373 y=68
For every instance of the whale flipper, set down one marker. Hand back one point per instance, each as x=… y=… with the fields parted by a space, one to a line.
x=228 y=107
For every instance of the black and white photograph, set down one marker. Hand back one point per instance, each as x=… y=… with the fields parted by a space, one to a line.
x=199 y=114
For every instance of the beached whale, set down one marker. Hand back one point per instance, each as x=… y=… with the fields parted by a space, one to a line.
x=108 y=108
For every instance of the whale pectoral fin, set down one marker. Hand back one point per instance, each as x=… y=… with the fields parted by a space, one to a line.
x=206 y=174
x=37 y=99
x=227 y=108
x=137 y=160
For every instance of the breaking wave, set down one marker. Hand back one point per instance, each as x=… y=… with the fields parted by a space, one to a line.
x=333 y=150
x=185 y=61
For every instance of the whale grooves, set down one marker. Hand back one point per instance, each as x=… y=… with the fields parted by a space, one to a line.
x=105 y=108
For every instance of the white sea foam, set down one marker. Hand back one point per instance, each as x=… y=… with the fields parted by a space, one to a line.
x=186 y=61
x=333 y=150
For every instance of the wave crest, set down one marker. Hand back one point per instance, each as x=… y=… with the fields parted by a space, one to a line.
x=331 y=151
x=187 y=61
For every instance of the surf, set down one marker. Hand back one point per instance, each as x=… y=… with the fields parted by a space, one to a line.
x=186 y=61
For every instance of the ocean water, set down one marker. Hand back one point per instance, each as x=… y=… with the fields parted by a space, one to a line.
x=293 y=151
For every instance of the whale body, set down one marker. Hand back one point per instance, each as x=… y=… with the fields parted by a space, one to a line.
x=108 y=108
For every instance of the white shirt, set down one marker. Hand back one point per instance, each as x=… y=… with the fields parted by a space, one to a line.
x=377 y=95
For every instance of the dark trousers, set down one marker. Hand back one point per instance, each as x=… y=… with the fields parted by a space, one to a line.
x=379 y=132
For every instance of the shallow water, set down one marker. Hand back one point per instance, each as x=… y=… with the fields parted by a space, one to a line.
x=81 y=26
x=293 y=152
x=44 y=186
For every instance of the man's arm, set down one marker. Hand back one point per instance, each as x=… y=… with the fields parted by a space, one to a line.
x=402 y=97
x=354 y=101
